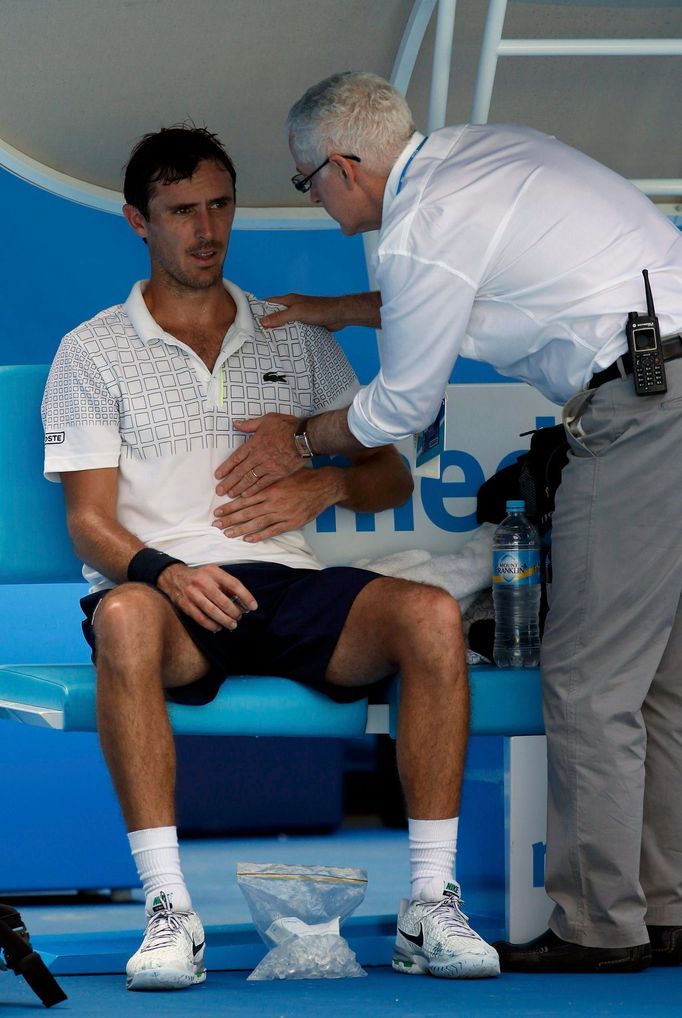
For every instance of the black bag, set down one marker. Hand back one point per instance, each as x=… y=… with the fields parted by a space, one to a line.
x=534 y=477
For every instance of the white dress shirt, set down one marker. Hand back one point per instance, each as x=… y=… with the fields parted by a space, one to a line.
x=507 y=246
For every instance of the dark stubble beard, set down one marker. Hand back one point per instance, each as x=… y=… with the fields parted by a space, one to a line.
x=179 y=281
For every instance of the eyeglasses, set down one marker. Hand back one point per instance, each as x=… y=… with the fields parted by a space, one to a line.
x=303 y=184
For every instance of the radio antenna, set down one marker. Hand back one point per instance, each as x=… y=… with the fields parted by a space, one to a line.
x=649 y=299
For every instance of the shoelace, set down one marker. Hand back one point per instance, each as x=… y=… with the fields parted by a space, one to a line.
x=451 y=917
x=163 y=930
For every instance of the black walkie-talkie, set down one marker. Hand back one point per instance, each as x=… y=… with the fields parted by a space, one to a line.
x=646 y=351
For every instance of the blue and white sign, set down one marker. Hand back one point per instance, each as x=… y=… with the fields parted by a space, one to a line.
x=484 y=424
x=527 y=907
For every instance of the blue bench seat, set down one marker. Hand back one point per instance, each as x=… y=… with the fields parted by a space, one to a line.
x=503 y=702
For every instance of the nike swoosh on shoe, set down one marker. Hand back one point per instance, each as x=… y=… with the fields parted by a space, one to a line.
x=418 y=940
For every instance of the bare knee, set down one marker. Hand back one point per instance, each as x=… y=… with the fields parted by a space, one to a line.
x=441 y=608
x=421 y=620
x=428 y=611
x=128 y=620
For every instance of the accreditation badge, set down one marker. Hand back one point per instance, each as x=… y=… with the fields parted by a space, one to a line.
x=429 y=444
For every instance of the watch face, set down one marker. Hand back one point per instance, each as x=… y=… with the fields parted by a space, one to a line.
x=302 y=446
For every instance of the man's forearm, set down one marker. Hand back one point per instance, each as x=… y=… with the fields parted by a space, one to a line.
x=331 y=312
x=362 y=309
x=377 y=481
x=103 y=543
x=329 y=433
x=108 y=547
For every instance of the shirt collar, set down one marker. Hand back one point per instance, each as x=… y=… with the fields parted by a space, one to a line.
x=148 y=329
x=393 y=182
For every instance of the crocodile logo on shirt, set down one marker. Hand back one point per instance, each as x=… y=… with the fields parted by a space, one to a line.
x=274 y=376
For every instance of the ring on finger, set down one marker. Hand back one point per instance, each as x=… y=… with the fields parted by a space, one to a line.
x=235 y=598
x=256 y=477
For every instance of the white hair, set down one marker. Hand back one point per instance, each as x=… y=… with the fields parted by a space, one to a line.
x=351 y=113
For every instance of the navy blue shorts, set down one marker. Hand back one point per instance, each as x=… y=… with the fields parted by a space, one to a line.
x=292 y=633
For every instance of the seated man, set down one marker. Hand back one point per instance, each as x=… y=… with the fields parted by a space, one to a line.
x=139 y=411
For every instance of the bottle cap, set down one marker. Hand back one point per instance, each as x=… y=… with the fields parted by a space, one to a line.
x=516 y=506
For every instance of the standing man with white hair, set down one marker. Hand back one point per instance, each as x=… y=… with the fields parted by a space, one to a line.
x=504 y=245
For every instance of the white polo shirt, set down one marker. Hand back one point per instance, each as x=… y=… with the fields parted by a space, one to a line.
x=507 y=246
x=123 y=393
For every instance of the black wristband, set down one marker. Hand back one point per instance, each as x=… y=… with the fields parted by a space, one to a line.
x=147 y=564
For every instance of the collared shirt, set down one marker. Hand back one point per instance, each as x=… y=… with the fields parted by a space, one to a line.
x=509 y=247
x=124 y=393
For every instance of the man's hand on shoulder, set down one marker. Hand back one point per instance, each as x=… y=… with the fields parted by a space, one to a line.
x=209 y=595
x=287 y=504
x=331 y=312
x=297 y=307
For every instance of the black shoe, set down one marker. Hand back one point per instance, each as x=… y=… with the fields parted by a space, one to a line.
x=548 y=953
x=666 y=945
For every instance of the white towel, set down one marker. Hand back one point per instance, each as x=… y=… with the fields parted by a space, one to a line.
x=463 y=574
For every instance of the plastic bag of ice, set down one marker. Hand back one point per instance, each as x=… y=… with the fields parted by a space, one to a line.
x=298 y=911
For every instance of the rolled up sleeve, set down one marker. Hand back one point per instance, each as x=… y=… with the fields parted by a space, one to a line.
x=425 y=310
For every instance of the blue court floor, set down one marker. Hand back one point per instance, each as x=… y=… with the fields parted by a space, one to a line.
x=210 y=870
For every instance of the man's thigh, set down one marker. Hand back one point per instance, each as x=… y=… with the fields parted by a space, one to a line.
x=386 y=617
x=142 y=614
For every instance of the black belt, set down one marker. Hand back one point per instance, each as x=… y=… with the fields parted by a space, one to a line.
x=672 y=349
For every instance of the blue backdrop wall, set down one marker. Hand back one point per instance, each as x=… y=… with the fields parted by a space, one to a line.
x=62 y=262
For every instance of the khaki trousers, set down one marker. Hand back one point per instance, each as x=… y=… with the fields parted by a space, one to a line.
x=612 y=669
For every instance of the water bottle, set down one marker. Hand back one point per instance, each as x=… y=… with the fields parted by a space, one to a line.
x=516 y=590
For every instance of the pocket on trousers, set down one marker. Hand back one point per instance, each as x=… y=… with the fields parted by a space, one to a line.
x=594 y=423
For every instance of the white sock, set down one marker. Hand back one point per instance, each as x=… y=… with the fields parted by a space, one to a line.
x=157 y=858
x=433 y=846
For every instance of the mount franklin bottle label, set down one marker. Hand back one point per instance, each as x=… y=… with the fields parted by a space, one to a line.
x=519 y=568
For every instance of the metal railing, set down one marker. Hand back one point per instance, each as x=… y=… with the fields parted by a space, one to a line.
x=495 y=46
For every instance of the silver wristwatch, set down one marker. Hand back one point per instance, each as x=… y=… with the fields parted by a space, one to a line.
x=301 y=440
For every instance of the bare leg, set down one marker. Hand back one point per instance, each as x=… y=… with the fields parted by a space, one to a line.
x=141 y=648
x=416 y=629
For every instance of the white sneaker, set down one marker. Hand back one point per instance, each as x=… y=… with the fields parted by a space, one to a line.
x=171 y=955
x=434 y=937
